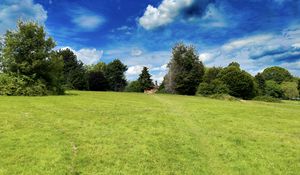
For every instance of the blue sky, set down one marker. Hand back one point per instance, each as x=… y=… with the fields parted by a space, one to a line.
x=256 y=33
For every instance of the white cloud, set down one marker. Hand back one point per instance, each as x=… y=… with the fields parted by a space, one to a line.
x=257 y=52
x=134 y=70
x=86 y=19
x=205 y=57
x=164 y=14
x=87 y=56
x=240 y=43
x=13 y=10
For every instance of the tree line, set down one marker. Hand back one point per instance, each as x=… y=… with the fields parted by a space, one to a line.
x=30 y=66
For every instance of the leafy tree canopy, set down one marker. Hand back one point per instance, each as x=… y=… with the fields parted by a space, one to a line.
x=239 y=82
x=185 y=71
x=278 y=74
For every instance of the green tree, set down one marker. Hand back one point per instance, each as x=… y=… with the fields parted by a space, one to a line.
x=236 y=64
x=97 y=81
x=273 y=89
x=185 y=71
x=134 y=86
x=289 y=90
x=115 y=74
x=75 y=76
x=240 y=83
x=211 y=74
x=299 y=85
x=261 y=83
x=28 y=53
x=214 y=87
x=145 y=80
x=278 y=74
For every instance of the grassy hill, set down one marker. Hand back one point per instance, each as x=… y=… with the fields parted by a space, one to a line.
x=123 y=133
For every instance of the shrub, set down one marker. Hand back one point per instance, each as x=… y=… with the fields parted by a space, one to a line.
x=290 y=90
x=239 y=83
x=134 y=86
x=273 y=89
x=21 y=86
x=267 y=99
x=215 y=87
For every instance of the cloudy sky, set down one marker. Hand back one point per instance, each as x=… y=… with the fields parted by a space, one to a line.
x=256 y=33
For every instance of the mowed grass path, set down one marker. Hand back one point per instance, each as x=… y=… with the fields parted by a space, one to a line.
x=128 y=133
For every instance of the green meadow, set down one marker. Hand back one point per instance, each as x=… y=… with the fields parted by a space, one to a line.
x=131 y=133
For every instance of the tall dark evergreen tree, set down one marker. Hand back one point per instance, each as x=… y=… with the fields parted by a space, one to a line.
x=115 y=74
x=75 y=76
x=145 y=80
x=185 y=71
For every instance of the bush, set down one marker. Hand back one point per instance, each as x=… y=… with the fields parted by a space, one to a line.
x=215 y=87
x=273 y=89
x=267 y=99
x=290 y=90
x=134 y=86
x=21 y=86
x=239 y=83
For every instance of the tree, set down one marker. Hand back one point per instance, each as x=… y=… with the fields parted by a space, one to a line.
x=239 y=82
x=278 y=74
x=299 y=85
x=211 y=74
x=236 y=64
x=290 y=90
x=115 y=74
x=134 y=86
x=97 y=81
x=145 y=80
x=273 y=89
x=261 y=83
x=214 y=87
x=28 y=53
x=185 y=71
x=75 y=76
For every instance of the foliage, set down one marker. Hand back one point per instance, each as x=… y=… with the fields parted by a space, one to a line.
x=290 y=90
x=185 y=71
x=236 y=64
x=211 y=74
x=28 y=53
x=215 y=87
x=266 y=98
x=145 y=80
x=134 y=86
x=97 y=81
x=273 y=89
x=239 y=83
x=115 y=74
x=299 y=86
x=74 y=72
x=21 y=86
x=277 y=74
x=261 y=83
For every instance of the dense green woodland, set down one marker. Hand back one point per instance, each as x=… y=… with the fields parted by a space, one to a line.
x=30 y=66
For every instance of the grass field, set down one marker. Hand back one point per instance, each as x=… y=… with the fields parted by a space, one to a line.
x=123 y=133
